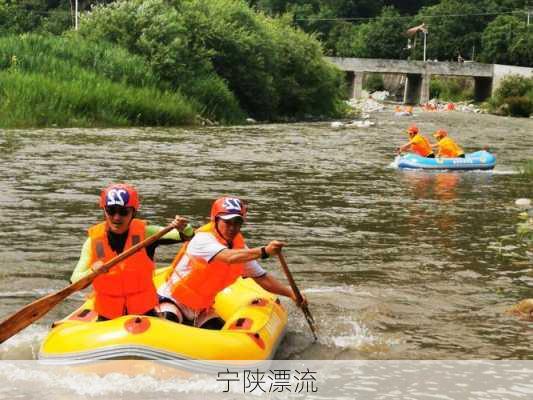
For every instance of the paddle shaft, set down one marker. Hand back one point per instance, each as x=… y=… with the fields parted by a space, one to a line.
x=299 y=297
x=35 y=310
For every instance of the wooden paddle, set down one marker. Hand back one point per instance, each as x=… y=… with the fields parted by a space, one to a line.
x=299 y=297
x=35 y=310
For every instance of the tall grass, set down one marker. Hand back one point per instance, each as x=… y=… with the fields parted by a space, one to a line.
x=66 y=81
x=56 y=55
x=526 y=168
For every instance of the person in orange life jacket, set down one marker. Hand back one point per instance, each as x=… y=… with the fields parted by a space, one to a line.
x=446 y=146
x=215 y=257
x=127 y=288
x=417 y=143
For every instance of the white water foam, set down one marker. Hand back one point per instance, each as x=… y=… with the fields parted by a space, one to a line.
x=349 y=289
x=497 y=171
x=359 y=337
x=92 y=384
x=24 y=345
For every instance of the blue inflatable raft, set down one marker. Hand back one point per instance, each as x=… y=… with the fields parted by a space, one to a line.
x=477 y=160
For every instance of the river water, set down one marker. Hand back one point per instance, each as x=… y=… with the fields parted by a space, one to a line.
x=395 y=264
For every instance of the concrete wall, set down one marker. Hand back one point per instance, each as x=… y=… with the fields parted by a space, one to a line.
x=501 y=71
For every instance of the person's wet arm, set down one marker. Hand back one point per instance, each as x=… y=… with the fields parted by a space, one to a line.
x=174 y=236
x=82 y=267
x=273 y=285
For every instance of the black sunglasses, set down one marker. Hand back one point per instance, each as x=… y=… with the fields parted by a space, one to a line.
x=122 y=211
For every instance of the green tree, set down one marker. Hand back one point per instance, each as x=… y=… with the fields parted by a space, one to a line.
x=53 y=16
x=454 y=28
x=385 y=35
x=507 y=40
x=223 y=49
x=349 y=40
x=379 y=38
x=409 y=7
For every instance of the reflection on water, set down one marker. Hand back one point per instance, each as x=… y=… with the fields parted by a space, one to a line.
x=396 y=264
x=429 y=184
x=440 y=186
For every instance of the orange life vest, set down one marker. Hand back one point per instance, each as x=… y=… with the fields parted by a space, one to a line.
x=420 y=145
x=448 y=148
x=127 y=288
x=199 y=287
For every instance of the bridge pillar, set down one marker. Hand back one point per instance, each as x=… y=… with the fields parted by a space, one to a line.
x=416 y=89
x=424 y=90
x=482 y=88
x=355 y=84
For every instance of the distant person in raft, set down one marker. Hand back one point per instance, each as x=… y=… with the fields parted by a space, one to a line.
x=418 y=144
x=127 y=288
x=447 y=148
x=214 y=259
x=399 y=112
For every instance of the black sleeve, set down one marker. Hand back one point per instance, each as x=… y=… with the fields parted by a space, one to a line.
x=150 y=250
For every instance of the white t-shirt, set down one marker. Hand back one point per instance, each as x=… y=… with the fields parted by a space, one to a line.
x=204 y=245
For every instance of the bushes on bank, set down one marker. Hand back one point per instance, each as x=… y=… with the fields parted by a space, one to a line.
x=374 y=83
x=451 y=89
x=514 y=97
x=526 y=168
x=222 y=49
x=520 y=106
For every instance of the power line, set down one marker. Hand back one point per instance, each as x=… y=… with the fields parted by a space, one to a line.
x=43 y=12
x=62 y=9
x=410 y=17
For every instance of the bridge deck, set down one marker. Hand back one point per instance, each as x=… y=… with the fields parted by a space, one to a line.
x=473 y=69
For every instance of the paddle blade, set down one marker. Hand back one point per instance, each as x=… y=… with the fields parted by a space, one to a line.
x=31 y=313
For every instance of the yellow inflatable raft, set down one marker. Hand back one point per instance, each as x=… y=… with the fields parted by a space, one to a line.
x=255 y=322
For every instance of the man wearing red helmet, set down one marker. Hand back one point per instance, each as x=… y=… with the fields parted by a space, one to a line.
x=215 y=257
x=446 y=146
x=127 y=288
x=418 y=143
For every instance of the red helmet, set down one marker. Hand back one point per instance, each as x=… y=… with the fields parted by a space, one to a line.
x=440 y=133
x=228 y=208
x=119 y=194
x=412 y=129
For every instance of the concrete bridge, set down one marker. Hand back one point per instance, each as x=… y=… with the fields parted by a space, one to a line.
x=418 y=73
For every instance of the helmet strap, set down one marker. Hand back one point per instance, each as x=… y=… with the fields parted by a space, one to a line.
x=230 y=244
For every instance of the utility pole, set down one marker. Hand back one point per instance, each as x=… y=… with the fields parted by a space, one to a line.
x=414 y=31
x=425 y=34
x=76 y=16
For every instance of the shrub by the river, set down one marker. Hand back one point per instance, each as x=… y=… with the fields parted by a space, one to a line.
x=65 y=81
x=520 y=106
x=226 y=55
x=526 y=168
x=374 y=83
x=451 y=89
x=514 y=97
